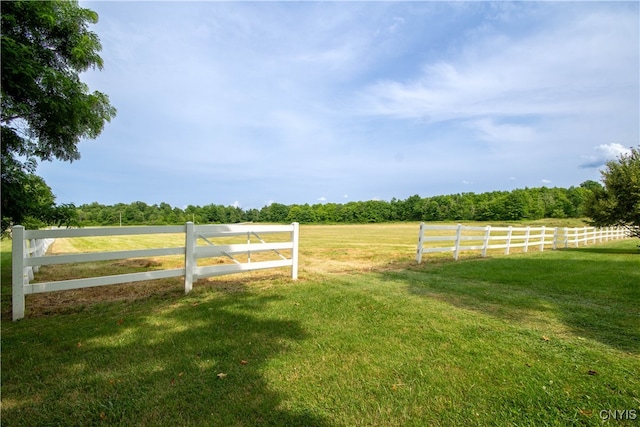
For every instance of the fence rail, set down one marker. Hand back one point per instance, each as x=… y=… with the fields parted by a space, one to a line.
x=468 y=238
x=30 y=247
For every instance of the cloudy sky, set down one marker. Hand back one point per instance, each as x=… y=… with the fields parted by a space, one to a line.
x=248 y=103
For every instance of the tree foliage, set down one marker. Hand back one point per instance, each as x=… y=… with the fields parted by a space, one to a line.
x=528 y=203
x=46 y=109
x=618 y=202
x=33 y=203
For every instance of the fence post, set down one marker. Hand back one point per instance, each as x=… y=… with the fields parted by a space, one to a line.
x=189 y=256
x=555 y=238
x=544 y=229
x=295 y=238
x=506 y=251
x=419 y=250
x=17 y=272
x=37 y=244
x=487 y=233
x=457 y=247
x=526 y=239
x=27 y=253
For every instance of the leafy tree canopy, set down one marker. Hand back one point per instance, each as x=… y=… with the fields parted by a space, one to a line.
x=33 y=203
x=528 y=203
x=618 y=202
x=46 y=109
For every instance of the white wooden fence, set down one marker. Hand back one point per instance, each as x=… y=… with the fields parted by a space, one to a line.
x=35 y=248
x=468 y=238
x=27 y=257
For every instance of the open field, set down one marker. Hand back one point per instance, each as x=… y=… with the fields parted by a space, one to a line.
x=365 y=337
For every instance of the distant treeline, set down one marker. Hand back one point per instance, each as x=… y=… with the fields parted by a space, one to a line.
x=528 y=203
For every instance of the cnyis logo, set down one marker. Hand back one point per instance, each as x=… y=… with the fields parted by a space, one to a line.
x=618 y=414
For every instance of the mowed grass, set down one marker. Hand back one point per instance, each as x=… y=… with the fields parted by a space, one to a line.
x=365 y=337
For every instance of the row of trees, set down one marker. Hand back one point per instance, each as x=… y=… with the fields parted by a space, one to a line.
x=528 y=203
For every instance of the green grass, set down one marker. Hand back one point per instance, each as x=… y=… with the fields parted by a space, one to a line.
x=365 y=337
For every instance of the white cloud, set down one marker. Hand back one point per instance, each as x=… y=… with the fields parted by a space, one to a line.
x=603 y=153
x=397 y=22
x=575 y=67
x=612 y=150
x=545 y=181
x=490 y=131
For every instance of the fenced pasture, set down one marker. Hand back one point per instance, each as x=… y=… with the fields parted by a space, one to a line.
x=364 y=337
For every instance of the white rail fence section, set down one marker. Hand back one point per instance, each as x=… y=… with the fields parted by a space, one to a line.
x=468 y=238
x=30 y=246
x=35 y=248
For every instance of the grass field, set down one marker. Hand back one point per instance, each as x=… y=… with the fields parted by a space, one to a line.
x=365 y=337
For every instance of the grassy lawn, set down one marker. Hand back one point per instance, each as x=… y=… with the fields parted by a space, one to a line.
x=365 y=337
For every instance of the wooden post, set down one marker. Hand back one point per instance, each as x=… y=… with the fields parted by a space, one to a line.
x=457 y=247
x=38 y=245
x=509 y=233
x=542 y=239
x=485 y=244
x=586 y=235
x=295 y=237
x=17 y=271
x=526 y=239
x=189 y=256
x=249 y=247
x=27 y=253
x=419 y=250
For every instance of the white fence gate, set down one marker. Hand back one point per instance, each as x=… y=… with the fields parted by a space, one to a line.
x=29 y=249
x=468 y=238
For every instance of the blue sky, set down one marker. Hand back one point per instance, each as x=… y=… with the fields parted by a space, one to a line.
x=248 y=103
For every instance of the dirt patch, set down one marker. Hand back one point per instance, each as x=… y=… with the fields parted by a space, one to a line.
x=77 y=300
x=137 y=263
x=172 y=289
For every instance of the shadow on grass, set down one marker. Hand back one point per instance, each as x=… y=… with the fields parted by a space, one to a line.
x=606 y=250
x=593 y=291
x=192 y=361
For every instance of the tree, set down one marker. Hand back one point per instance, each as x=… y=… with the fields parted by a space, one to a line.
x=618 y=202
x=303 y=214
x=275 y=212
x=34 y=203
x=46 y=109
